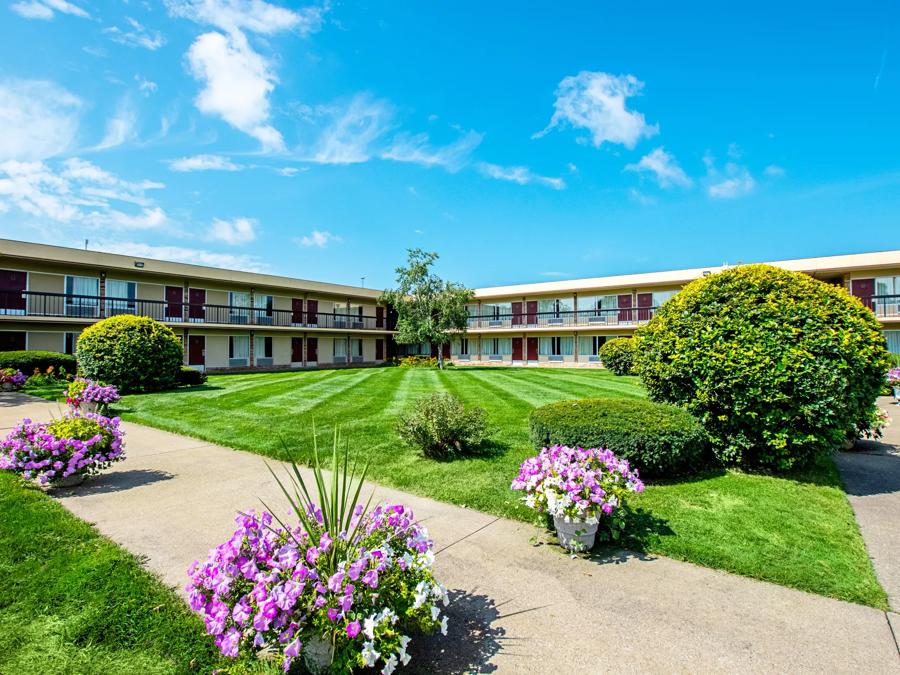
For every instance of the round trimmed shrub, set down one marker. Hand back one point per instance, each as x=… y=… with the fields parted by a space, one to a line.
x=617 y=355
x=135 y=353
x=659 y=439
x=442 y=427
x=190 y=377
x=780 y=368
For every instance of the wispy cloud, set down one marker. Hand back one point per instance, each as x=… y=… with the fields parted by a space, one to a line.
x=233 y=232
x=663 y=166
x=597 y=103
x=46 y=9
x=203 y=163
x=731 y=182
x=39 y=119
x=519 y=174
x=120 y=128
x=552 y=274
x=351 y=135
x=135 y=34
x=418 y=149
x=254 y=16
x=145 y=86
x=318 y=239
x=774 y=171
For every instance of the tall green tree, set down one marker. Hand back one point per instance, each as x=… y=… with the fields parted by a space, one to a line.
x=429 y=309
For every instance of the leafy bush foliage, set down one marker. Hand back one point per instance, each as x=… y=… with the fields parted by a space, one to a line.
x=780 y=368
x=442 y=427
x=617 y=355
x=49 y=378
x=419 y=362
x=30 y=360
x=132 y=352
x=658 y=439
x=189 y=377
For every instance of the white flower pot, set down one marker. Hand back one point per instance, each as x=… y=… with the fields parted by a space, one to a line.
x=575 y=535
x=896 y=394
x=88 y=407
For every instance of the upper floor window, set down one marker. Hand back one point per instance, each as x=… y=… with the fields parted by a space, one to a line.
x=659 y=297
x=120 y=297
x=82 y=296
x=497 y=311
x=238 y=306
x=555 y=306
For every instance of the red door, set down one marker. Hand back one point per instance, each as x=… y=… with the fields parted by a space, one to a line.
x=197 y=307
x=12 y=340
x=12 y=285
x=312 y=313
x=312 y=348
x=516 y=315
x=625 y=308
x=174 y=301
x=531 y=311
x=196 y=350
x=517 y=348
x=296 y=349
x=532 y=346
x=297 y=311
x=433 y=350
x=645 y=302
x=379 y=318
x=446 y=350
x=864 y=289
x=379 y=350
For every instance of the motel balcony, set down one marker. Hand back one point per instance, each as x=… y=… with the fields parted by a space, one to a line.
x=586 y=318
x=89 y=308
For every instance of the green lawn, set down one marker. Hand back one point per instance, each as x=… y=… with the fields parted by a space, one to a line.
x=71 y=601
x=798 y=531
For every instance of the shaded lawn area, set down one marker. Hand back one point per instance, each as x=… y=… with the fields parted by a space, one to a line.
x=71 y=601
x=797 y=531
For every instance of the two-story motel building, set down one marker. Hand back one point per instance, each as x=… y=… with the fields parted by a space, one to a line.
x=240 y=320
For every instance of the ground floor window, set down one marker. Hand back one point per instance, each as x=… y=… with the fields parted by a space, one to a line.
x=497 y=348
x=893 y=341
x=461 y=347
x=262 y=348
x=556 y=346
x=239 y=350
x=589 y=345
x=340 y=349
x=70 y=340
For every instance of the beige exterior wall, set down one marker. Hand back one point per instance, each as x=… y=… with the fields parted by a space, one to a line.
x=216 y=297
x=326 y=349
x=216 y=351
x=46 y=283
x=146 y=291
x=368 y=349
x=46 y=341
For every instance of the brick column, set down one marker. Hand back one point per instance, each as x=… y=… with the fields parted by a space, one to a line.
x=252 y=358
x=102 y=291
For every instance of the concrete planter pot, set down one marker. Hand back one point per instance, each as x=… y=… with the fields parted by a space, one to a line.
x=896 y=394
x=849 y=443
x=70 y=481
x=317 y=656
x=8 y=386
x=575 y=535
x=88 y=407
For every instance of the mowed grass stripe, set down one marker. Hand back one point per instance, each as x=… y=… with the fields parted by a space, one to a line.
x=301 y=398
x=505 y=388
x=601 y=384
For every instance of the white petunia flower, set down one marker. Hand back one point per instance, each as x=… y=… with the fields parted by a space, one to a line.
x=435 y=612
x=390 y=665
x=444 y=626
x=369 y=628
x=370 y=656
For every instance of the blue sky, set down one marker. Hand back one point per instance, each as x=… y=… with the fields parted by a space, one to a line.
x=523 y=142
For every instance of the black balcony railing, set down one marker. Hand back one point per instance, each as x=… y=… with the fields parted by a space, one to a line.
x=884 y=306
x=64 y=305
x=565 y=319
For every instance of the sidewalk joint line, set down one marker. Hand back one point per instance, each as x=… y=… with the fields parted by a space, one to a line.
x=473 y=532
x=893 y=634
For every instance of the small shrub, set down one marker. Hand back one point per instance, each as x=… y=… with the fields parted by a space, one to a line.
x=189 y=377
x=442 y=427
x=50 y=378
x=132 y=352
x=659 y=439
x=617 y=356
x=29 y=360
x=417 y=362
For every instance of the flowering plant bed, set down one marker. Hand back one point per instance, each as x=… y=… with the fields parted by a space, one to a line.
x=577 y=485
x=893 y=377
x=339 y=590
x=11 y=378
x=82 y=391
x=73 y=446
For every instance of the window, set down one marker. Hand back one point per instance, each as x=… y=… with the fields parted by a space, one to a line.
x=70 y=340
x=889 y=305
x=554 y=307
x=660 y=297
x=239 y=307
x=497 y=348
x=356 y=349
x=82 y=296
x=263 y=309
x=262 y=350
x=497 y=312
x=340 y=349
x=120 y=297
x=460 y=347
x=589 y=346
x=556 y=347
x=893 y=341
x=239 y=350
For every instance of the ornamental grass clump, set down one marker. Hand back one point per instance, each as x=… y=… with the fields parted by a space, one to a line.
x=73 y=446
x=12 y=378
x=340 y=590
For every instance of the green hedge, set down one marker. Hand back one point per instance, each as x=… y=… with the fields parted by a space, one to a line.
x=28 y=360
x=617 y=355
x=135 y=353
x=658 y=439
x=779 y=367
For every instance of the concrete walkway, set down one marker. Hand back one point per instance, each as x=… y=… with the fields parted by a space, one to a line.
x=517 y=607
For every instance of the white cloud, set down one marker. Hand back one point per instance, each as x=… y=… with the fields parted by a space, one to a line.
x=255 y=16
x=38 y=119
x=552 y=274
x=184 y=254
x=732 y=182
x=519 y=174
x=234 y=232
x=318 y=238
x=418 y=150
x=596 y=102
x=237 y=83
x=204 y=163
x=44 y=9
x=135 y=34
x=350 y=137
x=145 y=86
x=664 y=167
x=774 y=171
x=640 y=197
x=291 y=171
x=120 y=127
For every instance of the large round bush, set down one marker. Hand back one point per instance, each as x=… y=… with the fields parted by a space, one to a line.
x=780 y=368
x=658 y=439
x=617 y=355
x=132 y=352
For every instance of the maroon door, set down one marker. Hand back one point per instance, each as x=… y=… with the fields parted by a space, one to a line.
x=197 y=300
x=645 y=302
x=446 y=351
x=297 y=311
x=532 y=346
x=174 y=300
x=864 y=289
x=379 y=317
x=517 y=348
x=296 y=349
x=433 y=350
x=379 y=349
x=516 y=314
x=625 y=308
x=196 y=350
x=12 y=284
x=312 y=314
x=12 y=340
x=531 y=311
x=312 y=348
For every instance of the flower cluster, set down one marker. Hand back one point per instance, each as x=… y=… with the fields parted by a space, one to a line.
x=68 y=446
x=13 y=377
x=301 y=593
x=893 y=377
x=82 y=390
x=576 y=484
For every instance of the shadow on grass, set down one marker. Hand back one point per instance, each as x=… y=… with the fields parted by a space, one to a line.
x=472 y=638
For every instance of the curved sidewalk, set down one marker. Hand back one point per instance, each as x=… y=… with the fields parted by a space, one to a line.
x=518 y=607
